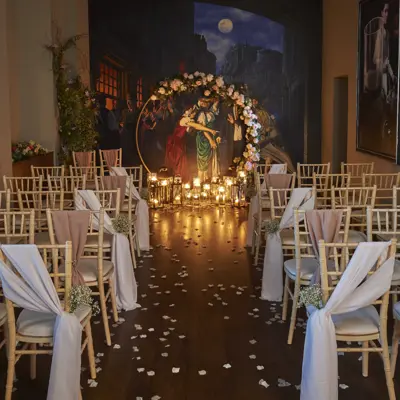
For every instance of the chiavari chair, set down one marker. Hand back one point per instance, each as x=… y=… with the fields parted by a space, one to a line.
x=357 y=170
x=384 y=187
x=305 y=173
x=84 y=158
x=25 y=184
x=110 y=158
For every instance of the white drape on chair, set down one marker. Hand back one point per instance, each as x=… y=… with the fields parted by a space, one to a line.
x=320 y=366
x=37 y=293
x=253 y=208
x=278 y=169
x=142 y=211
x=272 y=278
x=125 y=281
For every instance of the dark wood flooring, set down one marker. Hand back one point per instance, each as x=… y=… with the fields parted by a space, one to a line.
x=200 y=312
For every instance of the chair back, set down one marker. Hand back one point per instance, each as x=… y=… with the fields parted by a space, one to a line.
x=279 y=200
x=356 y=170
x=110 y=158
x=25 y=184
x=383 y=223
x=137 y=176
x=17 y=227
x=47 y=171
x=305 y=173
x=384 y=187
x=84 y=158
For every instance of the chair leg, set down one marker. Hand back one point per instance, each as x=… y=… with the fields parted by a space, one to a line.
x=33 y=361
x=285 y=298
x=253 y=242
x=132 y=246
x=386 y=365
x=137 y=243
x=292 y=327
x=90 y=349
x=257 y=248
x=113 y=300
x=103 y=308
x=395 y=347
x=10 y=371
x=365 y=359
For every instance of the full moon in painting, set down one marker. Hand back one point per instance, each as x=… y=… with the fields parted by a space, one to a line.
x=225 y=25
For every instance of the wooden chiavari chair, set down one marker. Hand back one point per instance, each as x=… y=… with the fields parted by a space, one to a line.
x=94 y=268
x=34 y=329
x=17 y=227
x=110 y=158
x=54 y=174
x=72 y=183
x=137 y=176
x=300 y=270
x=357 y=170
x=359 y=199
x=322 y=184
x=365 y=325
x=89 y=172
x=384 y=187
x=305 y=173
x=25 y=184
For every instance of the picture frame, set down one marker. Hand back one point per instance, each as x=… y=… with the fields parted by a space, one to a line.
x=377 y=78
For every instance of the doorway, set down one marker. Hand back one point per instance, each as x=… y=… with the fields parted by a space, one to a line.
x=340 y=122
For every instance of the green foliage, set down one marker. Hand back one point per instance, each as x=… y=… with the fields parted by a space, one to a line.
x=76 y=105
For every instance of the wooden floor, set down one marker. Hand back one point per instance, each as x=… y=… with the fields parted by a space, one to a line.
x=200 y=312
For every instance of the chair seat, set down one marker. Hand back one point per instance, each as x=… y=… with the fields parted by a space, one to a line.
x=307 y=268
x=37 y=324
x=287 y=237
x=88 y=268
x=364 y=321
x=396 y=310
x=92 y=240
x=42 y=238
x=356 y=236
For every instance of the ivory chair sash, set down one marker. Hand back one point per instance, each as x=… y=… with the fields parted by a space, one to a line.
x=36 y=292
x=72 y=226
x=272 y=279
x=125 y=282
x=320 y=366
x=142 y=211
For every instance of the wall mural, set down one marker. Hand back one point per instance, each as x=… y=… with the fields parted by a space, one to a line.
x=378 y=77
x=247 y=51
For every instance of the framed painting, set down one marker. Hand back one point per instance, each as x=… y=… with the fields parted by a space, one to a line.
x=378 y=72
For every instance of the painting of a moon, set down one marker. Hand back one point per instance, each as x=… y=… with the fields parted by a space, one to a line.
x=225 y=25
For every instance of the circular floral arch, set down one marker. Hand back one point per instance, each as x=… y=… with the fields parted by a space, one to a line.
x=214 y=87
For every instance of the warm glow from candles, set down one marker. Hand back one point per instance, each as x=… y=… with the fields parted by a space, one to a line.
x=229 y=182
x=164 y=182
x=207 y=186
x=242 y=174
x=221 y=189
x=196 y=182
x=153 y=177
x=177 y=198
x=187 y=185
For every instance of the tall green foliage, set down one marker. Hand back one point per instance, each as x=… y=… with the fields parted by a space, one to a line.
x=76 y=104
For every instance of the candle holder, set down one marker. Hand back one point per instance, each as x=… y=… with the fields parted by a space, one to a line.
x=153 y=189
x=220 y=197
x=177 y=192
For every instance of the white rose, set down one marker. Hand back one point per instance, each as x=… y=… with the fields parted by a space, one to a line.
x=202 y=74
x=185 y=75
x=230 y=91
x=249 y=146
x=161 y=90
x=210 y=77
x=255 y=140
x=220 y=81
x=190 y=76
x=197 y=73
x=165 y=84
x=207 y=93
x=248 y=166
x=183 y=88
x=153 y=97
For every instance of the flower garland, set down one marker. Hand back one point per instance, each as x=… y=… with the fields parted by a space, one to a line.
x=215 y=87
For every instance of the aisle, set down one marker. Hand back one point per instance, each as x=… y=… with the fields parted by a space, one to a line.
x=202 y=333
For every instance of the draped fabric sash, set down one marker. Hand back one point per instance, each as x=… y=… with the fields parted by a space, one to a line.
x=320 y=365
x=323 y=225
x=272 y=279
x=113 y=183
x=84 y=158
x=72 y=226
x=142 y=222
x=278 y=169
x=277 y=181
x=110 y=157
x=36 y=292
x=125 y=282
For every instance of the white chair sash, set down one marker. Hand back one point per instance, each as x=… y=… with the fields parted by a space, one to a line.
x=253 y=209
x=278 y=169
x=272 y=279
x=142 y=211
x=37 y=293
x=320 y=365
x=125 y=281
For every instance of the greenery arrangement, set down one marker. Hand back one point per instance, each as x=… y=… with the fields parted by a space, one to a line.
x=76 y=104
x=25 y=150
x=81 y=295
x=310 y=296
x=272 y=226
x=121 y=224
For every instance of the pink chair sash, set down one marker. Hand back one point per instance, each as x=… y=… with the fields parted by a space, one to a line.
x=72 y=226
x=278 y=181
x=111 y=157
x=113 y=183
x=84 y=158
x=323 y=225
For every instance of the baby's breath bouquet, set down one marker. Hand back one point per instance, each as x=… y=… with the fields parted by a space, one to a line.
x=81 y=295
x=272 y=226
x=121 y=224
x=310 y=296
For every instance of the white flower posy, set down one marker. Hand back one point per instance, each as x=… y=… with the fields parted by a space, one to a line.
x=216 y=85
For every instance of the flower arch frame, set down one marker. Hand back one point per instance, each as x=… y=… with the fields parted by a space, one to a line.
x=214 y=87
